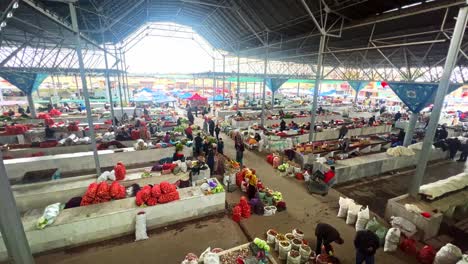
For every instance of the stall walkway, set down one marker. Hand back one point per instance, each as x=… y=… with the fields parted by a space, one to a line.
x=304 y=210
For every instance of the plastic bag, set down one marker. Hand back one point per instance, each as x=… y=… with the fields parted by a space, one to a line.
x=408 y=246
x=353 y=211
x=211 y=258
x=306 y=176
x=48 y=217
x=362 y=219
x=406 y=227
x=140 y=227
x=463 y=260
x=373 y=225
x=448 y=254
x=344 y=204
x=381 y=233
x=426 y=255
x=392 y=239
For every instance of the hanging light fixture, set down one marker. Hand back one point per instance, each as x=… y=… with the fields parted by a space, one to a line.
x=10 y=14
x=15 y=5
x=3 y=24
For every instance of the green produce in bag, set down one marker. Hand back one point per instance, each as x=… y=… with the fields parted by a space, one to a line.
x=373 y=225
x=381 y=233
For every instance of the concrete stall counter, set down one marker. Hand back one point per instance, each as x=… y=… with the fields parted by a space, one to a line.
x=94 y=223
x=374 y=164
x=84 y=161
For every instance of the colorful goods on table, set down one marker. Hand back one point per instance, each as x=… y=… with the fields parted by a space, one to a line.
x=291 y=246
x=211 y=186
x=164 y=192
x=16 y=129
x=103 y=192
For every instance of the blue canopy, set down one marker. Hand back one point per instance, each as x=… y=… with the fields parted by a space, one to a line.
x=218 y=98
x=328 y=93
x=274 y=83
x=357 y=85
x=164 y=99
x=25 y=81
x=185 y=95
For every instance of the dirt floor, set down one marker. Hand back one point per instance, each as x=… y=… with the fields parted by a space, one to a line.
x=304 y=211
x=376 y=191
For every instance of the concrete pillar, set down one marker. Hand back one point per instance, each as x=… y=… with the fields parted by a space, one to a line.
x=238 y=80
x=410 y=129
x=265 y=73
x=450 y=61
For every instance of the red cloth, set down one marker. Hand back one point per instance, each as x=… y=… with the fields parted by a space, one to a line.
x=426 y=214
x=328 y=176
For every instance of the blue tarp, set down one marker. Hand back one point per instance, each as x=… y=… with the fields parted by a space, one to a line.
x=25 y=81
x=274 y=83
x=357 y=85
x=185 y=95
x=415 y=96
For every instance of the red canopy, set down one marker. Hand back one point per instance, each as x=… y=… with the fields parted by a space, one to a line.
x=197 y=97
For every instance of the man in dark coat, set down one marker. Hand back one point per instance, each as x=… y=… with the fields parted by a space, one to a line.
x=198 y=144
x=211 y=127
x=366 y=244
x=397 y=116
x=464 y=152
x=282 y=125
x=371 y=121
x=326 y=234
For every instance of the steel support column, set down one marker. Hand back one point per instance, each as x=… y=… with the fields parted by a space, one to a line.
x=224 y=76
x=118 y=82
x=238 y=81
x=214 y=79
x=108 y=86
x=92 y=134
x=410 y=129
x=356 y=96
x=450 y=61
x=124 y=84
x=317 y=86
x=265 y=73
x=31 y=105
x=298 y=87
x=10 y=222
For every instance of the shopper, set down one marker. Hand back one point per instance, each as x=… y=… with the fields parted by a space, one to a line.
x=343 y=131
x=190 y=118
x=167 y=138
x=210 y=157
x=239 y=151
x=397 y=116
x=326 y=234
x=211 y=127
x=442 y=133
x=198 y=144
x=464 y=152
x=366 y=244
x=217 y=130
x=453 y=144
x=220 y=146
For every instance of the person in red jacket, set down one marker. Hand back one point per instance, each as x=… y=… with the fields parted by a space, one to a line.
x=329 y=175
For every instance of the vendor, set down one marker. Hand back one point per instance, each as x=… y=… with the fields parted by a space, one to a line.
x=320 y=110
x=217 y=130
x=281 y=113
x=293 y=125
x=137 y=123
x=344 y=145
x=122 y=135
x=210 y=160
x=442 y=133
x=252 y=188
x=179 y=121
x=167 y=138
x=326 y=234
x=257 y=137
x=49 y=133
x=21 y=110
x=282 y=125
x=372 y=120
x=11 y=112
x=343 y=131
x=189 y=133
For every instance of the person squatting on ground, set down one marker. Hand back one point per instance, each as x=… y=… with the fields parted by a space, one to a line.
x=326 y=234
